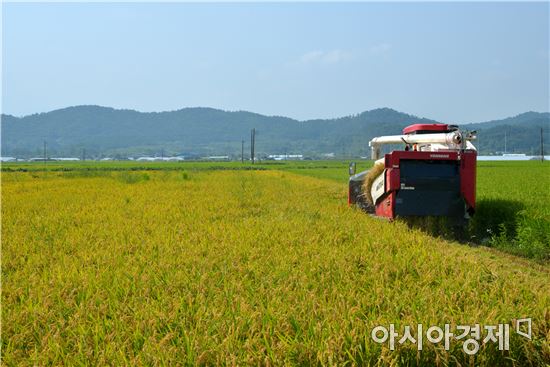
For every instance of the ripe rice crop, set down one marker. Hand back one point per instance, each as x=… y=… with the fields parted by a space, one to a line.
x=239 y=267
x=512 y=211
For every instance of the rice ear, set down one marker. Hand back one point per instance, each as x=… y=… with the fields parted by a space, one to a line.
x=373 y=173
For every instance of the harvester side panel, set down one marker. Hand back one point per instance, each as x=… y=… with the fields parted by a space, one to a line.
x=385 y=206
x=392 y=179
x=468 y=178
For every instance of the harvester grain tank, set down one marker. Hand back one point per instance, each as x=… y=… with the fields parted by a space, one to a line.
x=433 y=175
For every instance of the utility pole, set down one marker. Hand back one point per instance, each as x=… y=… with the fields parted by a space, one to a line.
x=252 y=143
x=45 y=157
x=541 y=147
x=505 y=141
x=242 y=151
x=83 y=154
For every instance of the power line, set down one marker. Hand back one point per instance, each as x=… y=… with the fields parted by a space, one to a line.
x=242 y=151
x=541 y=146
x=252 y=144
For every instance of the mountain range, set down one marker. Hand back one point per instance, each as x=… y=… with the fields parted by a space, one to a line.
x=104 y=131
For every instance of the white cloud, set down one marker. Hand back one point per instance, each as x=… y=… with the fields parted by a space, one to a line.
x=380 y=49
x=324 y=57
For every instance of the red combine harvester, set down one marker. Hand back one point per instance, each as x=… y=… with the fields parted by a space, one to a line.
x=434 y=175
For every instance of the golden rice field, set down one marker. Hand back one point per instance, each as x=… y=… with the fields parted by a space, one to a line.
x=240 y=268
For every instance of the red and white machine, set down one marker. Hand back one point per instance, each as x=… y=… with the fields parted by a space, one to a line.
x=434 y=174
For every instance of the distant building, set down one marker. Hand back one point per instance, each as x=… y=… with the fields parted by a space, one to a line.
x=160 y=159
x=61 y=159
x=55 y=159
x=285 y=157
x=510 y=157
x=174 y=159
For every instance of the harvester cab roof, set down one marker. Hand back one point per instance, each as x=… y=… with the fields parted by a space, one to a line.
x=429 y=128
x=434 y=174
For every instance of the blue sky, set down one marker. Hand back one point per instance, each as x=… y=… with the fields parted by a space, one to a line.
x=453 y=62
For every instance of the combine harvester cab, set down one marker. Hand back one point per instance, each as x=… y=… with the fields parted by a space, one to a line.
x=434 y=175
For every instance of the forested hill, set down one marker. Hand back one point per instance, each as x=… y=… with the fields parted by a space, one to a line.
x=104 y=131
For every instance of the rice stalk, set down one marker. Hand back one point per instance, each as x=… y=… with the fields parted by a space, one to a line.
x=373 y=173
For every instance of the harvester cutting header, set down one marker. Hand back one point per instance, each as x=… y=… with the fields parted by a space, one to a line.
x=434 y=174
